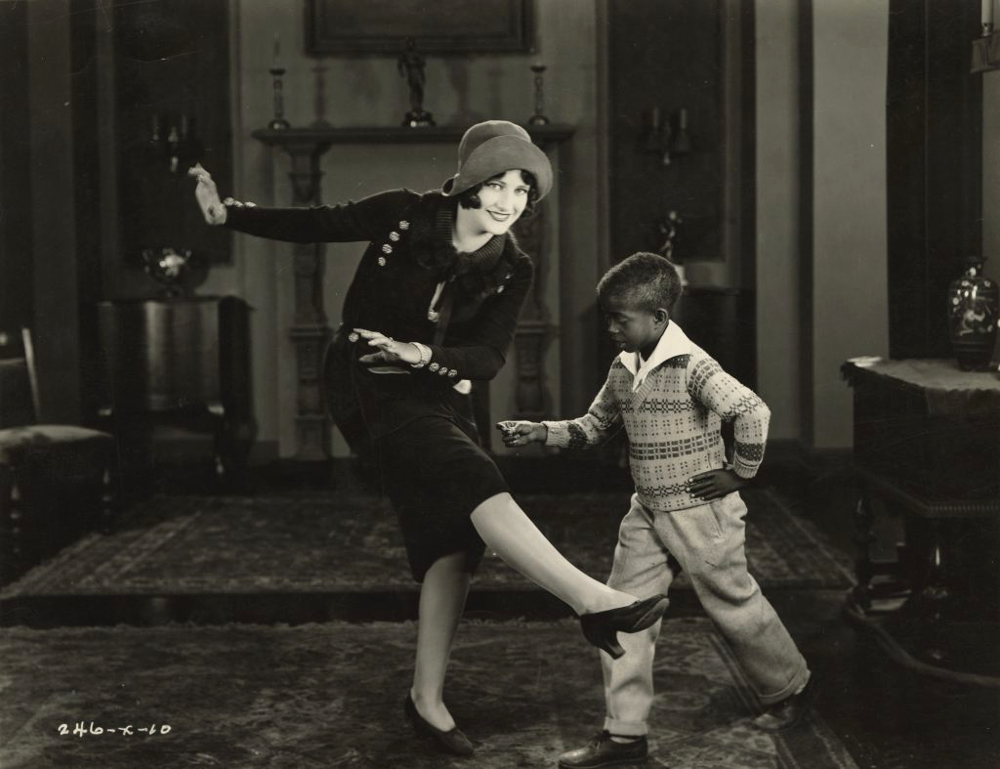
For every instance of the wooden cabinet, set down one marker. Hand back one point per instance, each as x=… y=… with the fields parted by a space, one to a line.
x=180 y=361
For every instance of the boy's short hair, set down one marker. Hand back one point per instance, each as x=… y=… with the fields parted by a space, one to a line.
x=650 y=281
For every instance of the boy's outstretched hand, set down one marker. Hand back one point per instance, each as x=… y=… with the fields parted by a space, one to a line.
x=520 y=433
x=715 y=484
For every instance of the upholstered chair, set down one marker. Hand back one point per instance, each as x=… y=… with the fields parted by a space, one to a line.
x=56 y=481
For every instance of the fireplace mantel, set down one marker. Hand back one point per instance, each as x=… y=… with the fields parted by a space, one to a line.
x=309 y=330
x=324 y=137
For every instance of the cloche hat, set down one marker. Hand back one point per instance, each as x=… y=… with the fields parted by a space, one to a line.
x=494 y=147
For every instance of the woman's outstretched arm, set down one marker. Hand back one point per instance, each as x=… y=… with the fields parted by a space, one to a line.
x=365 y=219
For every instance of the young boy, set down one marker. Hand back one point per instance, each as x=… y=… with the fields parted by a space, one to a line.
x=672 y=398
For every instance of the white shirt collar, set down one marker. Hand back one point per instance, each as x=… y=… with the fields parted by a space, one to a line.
x=673 y=342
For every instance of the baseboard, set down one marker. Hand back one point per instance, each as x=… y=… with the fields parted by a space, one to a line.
x=182 y=447
x=790 y=451
x=543 y=474
x=264 y=452
x=564 y=473
x=558 y=473
x=786 y=452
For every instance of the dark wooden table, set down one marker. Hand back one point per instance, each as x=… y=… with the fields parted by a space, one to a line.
x=927 y=448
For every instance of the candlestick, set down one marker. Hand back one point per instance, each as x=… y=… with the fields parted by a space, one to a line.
x=539 y=117
x=278 y=123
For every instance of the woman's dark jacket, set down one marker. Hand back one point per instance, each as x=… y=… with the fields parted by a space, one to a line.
x=409 y=253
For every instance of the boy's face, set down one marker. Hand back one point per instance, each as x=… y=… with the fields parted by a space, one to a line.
x=631 y=327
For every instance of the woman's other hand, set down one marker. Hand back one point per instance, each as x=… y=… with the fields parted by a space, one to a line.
x=521 y=433
x=207 y=195
x=389 y=350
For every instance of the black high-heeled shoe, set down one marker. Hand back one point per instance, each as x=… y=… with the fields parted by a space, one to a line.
x=453 y=741
x=601 y=628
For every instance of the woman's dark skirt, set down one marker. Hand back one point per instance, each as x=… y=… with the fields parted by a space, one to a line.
x=435 y=472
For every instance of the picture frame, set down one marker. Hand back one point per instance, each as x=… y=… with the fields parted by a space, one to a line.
x=443 y=27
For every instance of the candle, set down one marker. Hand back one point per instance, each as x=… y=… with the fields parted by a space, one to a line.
x=277 y=51
x=987 y=13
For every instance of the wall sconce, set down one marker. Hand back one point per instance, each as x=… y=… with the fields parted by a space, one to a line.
x=655 y=137
x=986 y=48
x=660 y=137
x=681 y=143
x=175 y=141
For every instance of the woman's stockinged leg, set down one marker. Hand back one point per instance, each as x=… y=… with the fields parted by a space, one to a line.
x=442 y=600
x=507 y=531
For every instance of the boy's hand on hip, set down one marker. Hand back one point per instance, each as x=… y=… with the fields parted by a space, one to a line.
x=521 y=433
x=715 y=484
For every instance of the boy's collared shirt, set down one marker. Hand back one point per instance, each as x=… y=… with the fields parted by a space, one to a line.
x=672 y=407
x=672 y=342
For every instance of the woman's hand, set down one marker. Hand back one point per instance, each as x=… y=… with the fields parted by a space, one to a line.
x=389 y=350
x=208 y=196
x=520 y=433
x=715 y=484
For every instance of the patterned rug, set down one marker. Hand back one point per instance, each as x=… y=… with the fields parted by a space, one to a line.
x=331 y=695
x=327 y=542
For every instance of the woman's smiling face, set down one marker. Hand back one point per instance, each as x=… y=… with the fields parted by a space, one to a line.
x=502 y=201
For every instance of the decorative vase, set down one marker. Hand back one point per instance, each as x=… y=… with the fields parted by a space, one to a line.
x=973 y=311
x=170 y=268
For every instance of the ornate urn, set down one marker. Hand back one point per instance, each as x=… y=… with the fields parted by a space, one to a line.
x=973 y=313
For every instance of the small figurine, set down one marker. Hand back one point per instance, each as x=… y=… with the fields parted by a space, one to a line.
x=411 y=66
x=669 y=228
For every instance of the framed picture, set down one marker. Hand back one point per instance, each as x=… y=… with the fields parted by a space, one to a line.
x=442 y=26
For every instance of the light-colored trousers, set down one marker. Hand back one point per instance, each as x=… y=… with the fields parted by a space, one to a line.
x=708 y=543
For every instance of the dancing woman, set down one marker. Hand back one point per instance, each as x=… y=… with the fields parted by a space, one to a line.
x=434 y=304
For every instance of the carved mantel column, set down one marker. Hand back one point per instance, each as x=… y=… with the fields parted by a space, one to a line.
x=534 y=329
x=309 y=331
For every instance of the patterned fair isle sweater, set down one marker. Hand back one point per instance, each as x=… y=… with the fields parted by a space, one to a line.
x=672 y=406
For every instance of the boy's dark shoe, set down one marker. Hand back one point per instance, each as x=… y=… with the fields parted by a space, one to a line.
x=602 y=751
x=787 y=713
